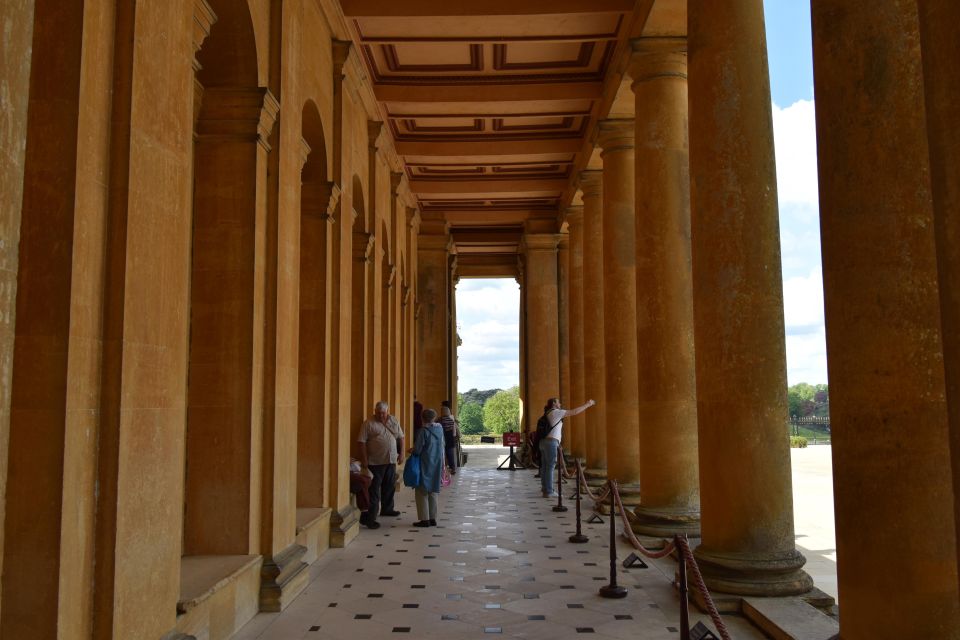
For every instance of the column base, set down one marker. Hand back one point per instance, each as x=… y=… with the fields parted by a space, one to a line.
x=629 y=496
x=754 y=575
x=282 y=578
x=176 y=635
x=344 y=526
x=666 y=523
x=596 y=476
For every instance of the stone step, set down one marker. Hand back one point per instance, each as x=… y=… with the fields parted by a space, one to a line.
x=789 y=619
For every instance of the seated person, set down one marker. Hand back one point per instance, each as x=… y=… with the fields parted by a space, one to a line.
x=359 y=485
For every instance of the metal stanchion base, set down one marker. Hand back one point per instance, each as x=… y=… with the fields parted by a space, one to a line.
x=559 y=508
x=578 y=538
x=613 y=591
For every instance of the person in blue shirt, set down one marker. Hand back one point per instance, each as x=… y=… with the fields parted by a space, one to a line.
x=428 y=444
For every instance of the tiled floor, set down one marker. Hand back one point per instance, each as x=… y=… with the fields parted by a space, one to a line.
x=498 y=565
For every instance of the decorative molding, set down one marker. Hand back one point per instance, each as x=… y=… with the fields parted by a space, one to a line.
x=584 y=55
x=657 y=57
x=203 y=20
x=374 y=127
x=591 y=182
x=389 y=52
x=616 y=134
x=304 y=150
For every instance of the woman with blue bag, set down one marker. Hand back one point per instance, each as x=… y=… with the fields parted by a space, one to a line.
x=428 y=451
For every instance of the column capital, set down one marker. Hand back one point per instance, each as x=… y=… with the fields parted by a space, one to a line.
x=374 y=127
x=341 y=51
x=591 y=182
x=304 y=148
x=430 y=242
x=574 y=215
x=320 y=199
x=396 y=177
x=203 y=20
x=413 y=218
x=615 y=134
x=238 y=114
x=540 y=241
x=658 y=57
x=362 y=245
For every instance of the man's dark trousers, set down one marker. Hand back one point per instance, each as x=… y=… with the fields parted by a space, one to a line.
x=383 y=486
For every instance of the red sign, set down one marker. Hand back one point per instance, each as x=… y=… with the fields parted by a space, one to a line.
x=511 y=439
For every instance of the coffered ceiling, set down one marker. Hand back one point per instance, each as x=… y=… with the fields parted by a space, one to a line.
x=491 y=103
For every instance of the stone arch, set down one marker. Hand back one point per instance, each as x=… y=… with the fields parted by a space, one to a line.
x=316 y=236
x=359 y=309
x=38 y=409
x=221 y=498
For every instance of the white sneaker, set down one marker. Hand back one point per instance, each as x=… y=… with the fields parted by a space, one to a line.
x=552 y=494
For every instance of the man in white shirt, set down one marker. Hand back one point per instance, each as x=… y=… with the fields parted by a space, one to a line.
x=381 y=449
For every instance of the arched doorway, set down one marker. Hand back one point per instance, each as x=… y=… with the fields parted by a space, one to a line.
x=359 y=310
x=315 y=322
x=219 y=498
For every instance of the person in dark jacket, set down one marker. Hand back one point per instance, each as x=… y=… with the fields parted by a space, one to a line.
x=451 y=435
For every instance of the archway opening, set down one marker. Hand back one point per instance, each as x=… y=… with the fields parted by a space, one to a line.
x=488 y=357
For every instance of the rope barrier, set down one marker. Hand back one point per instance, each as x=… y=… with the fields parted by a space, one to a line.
x=701 y=586
x=681 y=543
x=678 y=543
x=598 y=497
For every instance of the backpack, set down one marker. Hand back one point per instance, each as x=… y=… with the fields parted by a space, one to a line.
x=543 y=427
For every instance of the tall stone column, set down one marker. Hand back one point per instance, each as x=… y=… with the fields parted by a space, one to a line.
x=747 y=501
x=575 y=328
x=885 y=343
x=938 y=20
x=433 y=340
x=451 y=394
x=563 y=327
x=620 y=307
x=667 y=400
x=591 y=183
x=540 y=281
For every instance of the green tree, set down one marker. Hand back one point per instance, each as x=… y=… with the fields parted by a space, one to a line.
x=471 y=418
x=501 y=413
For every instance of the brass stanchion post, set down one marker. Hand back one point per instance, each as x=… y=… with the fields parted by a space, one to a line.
x=578 y=537
x=613 y=590
x=559 y=506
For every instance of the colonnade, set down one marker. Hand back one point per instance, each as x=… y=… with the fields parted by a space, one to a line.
x=678 y=331
x=212 y=265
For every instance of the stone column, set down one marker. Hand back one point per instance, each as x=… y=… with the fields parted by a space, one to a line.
x=433 y=342
x=344 y=521
x=575 y=301
x=620 y=307
x=747 y=501
x=563 y=328
x=451 y=394
x=892 y=478
x=940 y=50
x=591 y=182
x=542 y=333
x=667 y=399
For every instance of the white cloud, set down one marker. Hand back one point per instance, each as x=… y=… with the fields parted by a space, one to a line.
x=488 y=321
x=796 y=147
x=795 y=137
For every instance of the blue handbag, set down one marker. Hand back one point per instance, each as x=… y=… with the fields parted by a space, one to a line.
x=411 y=471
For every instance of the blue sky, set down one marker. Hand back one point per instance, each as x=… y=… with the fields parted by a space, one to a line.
x=488 y=310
